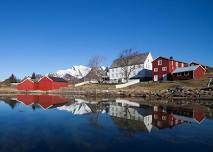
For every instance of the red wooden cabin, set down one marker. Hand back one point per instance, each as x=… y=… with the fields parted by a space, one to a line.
x=162 y=68
x=51 y=83
x=26 y=85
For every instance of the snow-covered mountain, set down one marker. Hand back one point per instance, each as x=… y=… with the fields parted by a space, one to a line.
x=78 y=72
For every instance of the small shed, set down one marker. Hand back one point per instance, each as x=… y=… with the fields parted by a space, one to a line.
x=190 y=72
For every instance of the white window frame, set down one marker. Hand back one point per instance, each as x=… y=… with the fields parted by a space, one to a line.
x=164 y=68
x=159 y=62
x=155 y=69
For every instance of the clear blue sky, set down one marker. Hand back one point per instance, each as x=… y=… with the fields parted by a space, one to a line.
x=46 y=35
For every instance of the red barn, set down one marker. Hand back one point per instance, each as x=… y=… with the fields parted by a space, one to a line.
x=26 y=85
x=191 y=72
x=51 y=83
x=162 y=68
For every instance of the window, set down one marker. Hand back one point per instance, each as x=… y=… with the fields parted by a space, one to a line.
x=159 y=62
x=163 y=117
x=112 y=70
x=155 y=69
x=176 y=64
x=182 y=65
x=112 y=75
x=164 y=68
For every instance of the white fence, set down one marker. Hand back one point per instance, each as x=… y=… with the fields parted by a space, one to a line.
x=131 y=82
x=85 y=82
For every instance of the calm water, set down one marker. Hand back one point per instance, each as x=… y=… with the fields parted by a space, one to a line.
x=55 y=124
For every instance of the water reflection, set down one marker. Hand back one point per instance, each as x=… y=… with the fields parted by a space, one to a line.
x=68 y=124
x=44 y=101
x=125 y=114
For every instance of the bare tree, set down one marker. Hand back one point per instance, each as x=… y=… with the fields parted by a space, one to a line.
x=95 y=61
x=128 y=60
x=96 y=71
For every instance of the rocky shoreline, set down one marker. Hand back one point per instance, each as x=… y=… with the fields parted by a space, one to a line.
x=174 y=93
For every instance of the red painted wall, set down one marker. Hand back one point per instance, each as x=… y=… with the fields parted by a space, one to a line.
x=199 y=73
x=26 y=85
x=45 y=84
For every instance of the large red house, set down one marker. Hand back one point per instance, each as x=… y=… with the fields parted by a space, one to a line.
x=44 y=84
x=162 y=68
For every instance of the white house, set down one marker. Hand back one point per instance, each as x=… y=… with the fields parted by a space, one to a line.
x=143 y=70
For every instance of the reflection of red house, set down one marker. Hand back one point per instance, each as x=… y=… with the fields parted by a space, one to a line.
x=45 y=83
x=27 y=99
x=162 y=119
x=45 y=101
x=27 y=84
x=187 y=114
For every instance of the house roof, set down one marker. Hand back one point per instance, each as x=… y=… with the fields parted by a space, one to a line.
x=186 y=69
x=141 y=58
x=168 y=59
x=57 y=79
x=197 y=63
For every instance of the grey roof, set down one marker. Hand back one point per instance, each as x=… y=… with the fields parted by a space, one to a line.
x=57 y=79
x=186 y=69
x=141 y=59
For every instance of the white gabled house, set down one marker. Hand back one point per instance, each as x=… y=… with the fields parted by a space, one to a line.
x=143 y=70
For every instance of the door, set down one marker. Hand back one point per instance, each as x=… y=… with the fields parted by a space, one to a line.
x=155 y=77
x=164 y=77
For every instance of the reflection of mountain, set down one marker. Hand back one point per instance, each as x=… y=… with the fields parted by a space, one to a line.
x=80 y=107
x=135 y=116
x=44 y=101
x=76 y=108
